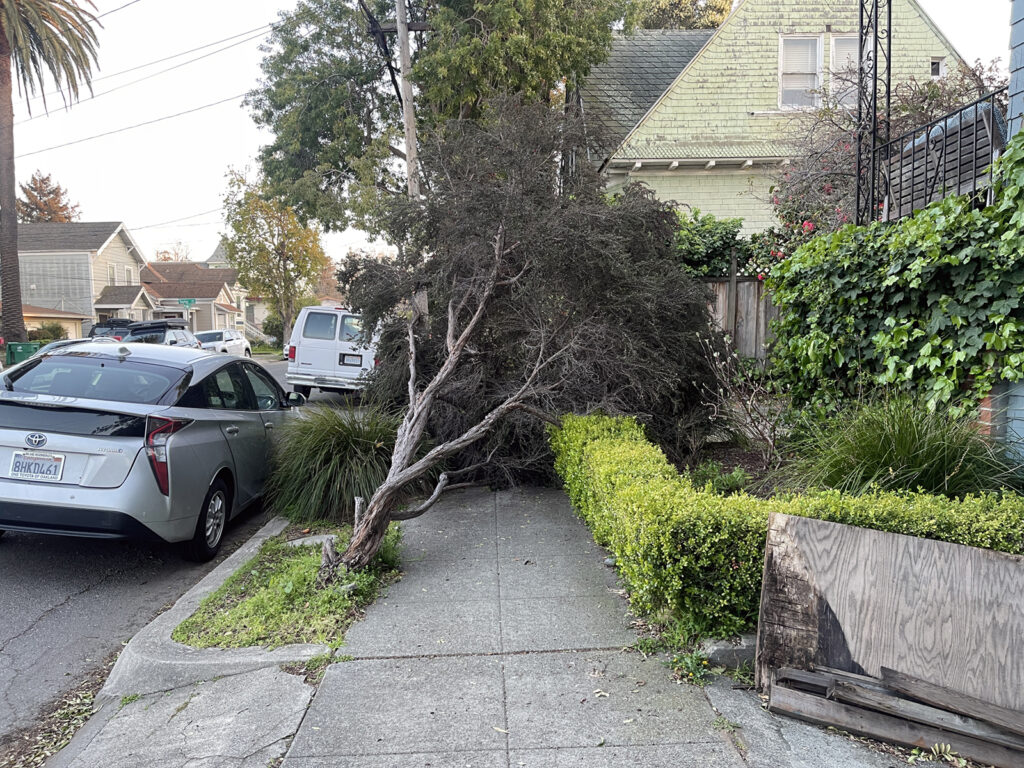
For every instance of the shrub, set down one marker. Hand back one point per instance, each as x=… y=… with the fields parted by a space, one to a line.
x=897 y=443
x=705 y=244
x=53 y=331
x=327 y=457
x=695 y=553
x=930 y=304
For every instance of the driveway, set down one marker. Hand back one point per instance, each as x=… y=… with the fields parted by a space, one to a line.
x=68 y=603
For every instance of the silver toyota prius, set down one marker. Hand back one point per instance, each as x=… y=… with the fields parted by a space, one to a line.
x=136 y=441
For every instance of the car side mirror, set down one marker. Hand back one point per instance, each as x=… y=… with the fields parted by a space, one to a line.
x=295 y=399
x=172 y=342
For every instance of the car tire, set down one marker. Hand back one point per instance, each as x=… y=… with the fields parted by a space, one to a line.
x=304 y=391
x=213 y=519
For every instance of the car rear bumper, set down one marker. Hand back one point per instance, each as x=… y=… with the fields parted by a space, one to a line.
x=135 y=509
x=323 y=381
x=72 y=521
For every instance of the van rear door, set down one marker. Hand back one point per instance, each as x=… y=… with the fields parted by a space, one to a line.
x=316 y=351
x=355 y=358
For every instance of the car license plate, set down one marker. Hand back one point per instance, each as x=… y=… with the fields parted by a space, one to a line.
x=28 y=465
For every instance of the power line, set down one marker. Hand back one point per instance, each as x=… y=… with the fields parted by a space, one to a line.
x=183 y=218
x=119 y=8
x=296 y=18
x=143 y=79
x=131 y=127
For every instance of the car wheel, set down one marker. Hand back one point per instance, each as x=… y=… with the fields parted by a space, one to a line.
x=213 y=518
x=304 y=391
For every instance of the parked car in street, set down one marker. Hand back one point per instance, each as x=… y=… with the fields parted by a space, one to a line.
x=227 y=342
x=174 y=333
x=136 y=441
x=61 y=343
x=328 y=351
x=115 y=326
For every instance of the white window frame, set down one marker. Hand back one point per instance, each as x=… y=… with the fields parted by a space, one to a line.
x=832 y=64
x=111 y=274
x=128 y=276
x=820 y=37
x=941 y=60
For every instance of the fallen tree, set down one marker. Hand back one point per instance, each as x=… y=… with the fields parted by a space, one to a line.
x=545 y=297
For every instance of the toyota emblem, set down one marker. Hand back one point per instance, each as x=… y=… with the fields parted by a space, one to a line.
x=35 y=440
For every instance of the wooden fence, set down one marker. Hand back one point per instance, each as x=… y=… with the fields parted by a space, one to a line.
x=743 y=309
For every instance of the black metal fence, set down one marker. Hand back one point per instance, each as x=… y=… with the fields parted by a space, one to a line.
x=952 y=155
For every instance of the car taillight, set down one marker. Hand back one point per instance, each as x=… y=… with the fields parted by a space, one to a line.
x=158 y=431
x=376 y=362
x=291 y=353
x=117 y=338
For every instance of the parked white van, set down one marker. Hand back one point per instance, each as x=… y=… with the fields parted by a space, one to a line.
x=327 y=352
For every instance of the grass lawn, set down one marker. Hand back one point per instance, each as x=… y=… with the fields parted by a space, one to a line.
x=273 y=600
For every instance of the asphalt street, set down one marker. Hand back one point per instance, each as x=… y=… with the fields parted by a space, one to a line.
x=68 y=603
x=278 y=367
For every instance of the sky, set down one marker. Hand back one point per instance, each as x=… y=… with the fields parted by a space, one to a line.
x=166 y=180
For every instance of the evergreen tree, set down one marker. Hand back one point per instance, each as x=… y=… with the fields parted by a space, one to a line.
x=44 y=200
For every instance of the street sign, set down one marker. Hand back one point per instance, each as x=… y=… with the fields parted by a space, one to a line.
x=187 y=302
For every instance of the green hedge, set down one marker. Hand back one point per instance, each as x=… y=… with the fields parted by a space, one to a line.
x=693 y=552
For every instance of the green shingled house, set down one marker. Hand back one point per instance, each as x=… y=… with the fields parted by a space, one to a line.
x=702 y=116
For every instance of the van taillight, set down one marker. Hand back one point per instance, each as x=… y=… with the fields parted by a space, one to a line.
x=291 y=353
x=158 y=431
x=376 y=362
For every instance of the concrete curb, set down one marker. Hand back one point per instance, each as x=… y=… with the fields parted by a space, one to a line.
x=153 y=662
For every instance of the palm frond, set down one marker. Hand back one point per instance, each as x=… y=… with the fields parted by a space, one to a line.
x=54 y=36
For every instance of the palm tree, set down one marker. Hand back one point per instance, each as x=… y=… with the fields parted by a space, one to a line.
x=36 y=37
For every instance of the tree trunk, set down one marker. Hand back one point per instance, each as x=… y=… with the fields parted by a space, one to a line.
x=408 y=111
x=373 y=526
x=12 y=321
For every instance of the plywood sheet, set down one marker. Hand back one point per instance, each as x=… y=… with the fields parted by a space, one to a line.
x=857 y=600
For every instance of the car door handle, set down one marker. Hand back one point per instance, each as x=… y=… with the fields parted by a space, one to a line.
x=268 y=425
x=231 y=430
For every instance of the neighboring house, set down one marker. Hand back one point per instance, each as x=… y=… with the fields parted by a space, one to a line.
x=36 y=317
x=702 y=116
x=67 y=266
x=219 y=258
x=209 y=299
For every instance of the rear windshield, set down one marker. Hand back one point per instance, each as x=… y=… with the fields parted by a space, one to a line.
x=147 y=337
x=106 y=330
x=96 y=378
x=70 y=421
x=210 y=336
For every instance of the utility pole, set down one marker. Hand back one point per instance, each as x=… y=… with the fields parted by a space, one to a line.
x=408 y=111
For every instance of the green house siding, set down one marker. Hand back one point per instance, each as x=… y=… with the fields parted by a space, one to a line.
x=728 y=193
x=724 y=106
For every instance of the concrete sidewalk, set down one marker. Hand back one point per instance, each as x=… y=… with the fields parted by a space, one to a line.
x=503 y=645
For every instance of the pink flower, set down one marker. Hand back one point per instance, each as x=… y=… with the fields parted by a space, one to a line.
x=828 y=189
x=808 y=226
x=760 y=275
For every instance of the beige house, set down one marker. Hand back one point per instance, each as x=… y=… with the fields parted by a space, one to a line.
x=706 y=117
x=209 y=299
x=36 y=317
x=68 y=266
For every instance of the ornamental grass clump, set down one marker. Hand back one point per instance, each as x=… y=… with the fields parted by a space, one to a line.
x=329 y=456
x=898 y=443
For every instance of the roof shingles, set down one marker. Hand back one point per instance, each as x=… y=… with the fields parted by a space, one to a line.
x=74 y=236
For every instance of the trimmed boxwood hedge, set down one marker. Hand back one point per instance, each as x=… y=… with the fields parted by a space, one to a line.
x=693 y=552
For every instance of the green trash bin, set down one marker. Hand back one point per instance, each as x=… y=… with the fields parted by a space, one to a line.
x=20 y=350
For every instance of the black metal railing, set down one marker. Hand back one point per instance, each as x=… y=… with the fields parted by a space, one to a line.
x=952 y=155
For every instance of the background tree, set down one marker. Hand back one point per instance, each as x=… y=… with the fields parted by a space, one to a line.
x=681 y=14
x=36 y=37
x=276 y=255
x=545 y=297
x=179 y=251
x=329 y=101
x=45 y=200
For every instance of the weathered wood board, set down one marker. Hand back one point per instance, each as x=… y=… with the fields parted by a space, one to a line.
x=748 y=322
x=856 y=600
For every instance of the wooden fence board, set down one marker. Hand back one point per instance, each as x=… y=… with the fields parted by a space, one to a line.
x=857 y=600
x=754 y=311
